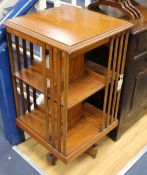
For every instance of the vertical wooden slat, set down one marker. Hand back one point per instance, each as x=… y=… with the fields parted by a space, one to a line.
x=31 y=59
x=24 y=53
x=43 y=50
x=19 y=68
x=13 y=70
x=31 y=53
x=107 y=82
x=48 y=97
x=122 y=70
x=66 y=78
x=52 y=95
x=59 y=57
x=17 y=53
x=117 y=75
x=112 y=80
x=25 y=66
x=34 y=97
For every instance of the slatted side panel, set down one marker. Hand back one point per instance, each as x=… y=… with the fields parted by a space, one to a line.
x=121 y=42
x=16 y=65
x=113 y=73
x=19 y=67
x=116 y=63
x=21 y=57
x=56 y=118
x=126 y=37
x=107 y=82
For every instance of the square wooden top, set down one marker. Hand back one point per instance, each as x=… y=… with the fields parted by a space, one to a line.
x=68 y=27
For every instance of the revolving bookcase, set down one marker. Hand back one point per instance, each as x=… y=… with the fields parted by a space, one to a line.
x=66 y=124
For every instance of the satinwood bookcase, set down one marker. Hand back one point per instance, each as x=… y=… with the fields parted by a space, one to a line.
x=66 y=124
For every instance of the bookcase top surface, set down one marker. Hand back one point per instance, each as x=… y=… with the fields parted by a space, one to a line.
x=68 y=26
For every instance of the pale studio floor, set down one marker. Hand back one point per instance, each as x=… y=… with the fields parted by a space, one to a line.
x=111 y=158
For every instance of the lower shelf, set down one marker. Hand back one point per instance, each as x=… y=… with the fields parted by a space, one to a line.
x=80 y=137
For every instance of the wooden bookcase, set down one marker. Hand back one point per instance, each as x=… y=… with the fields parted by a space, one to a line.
x=66 y=124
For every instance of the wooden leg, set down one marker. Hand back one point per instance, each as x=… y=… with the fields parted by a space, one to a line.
x=92 y=151
x=51 y=159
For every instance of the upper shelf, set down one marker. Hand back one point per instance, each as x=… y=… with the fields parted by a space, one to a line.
x=81 y=89
x=89 y=83
x=68 y=28
x=33 y=77
x=98 y=71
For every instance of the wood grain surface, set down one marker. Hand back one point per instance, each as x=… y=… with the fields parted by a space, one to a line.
x=76 y=25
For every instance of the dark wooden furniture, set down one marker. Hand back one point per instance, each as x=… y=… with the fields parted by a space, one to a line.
x=67 y=125
x=133 y=102
x=125 y=6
